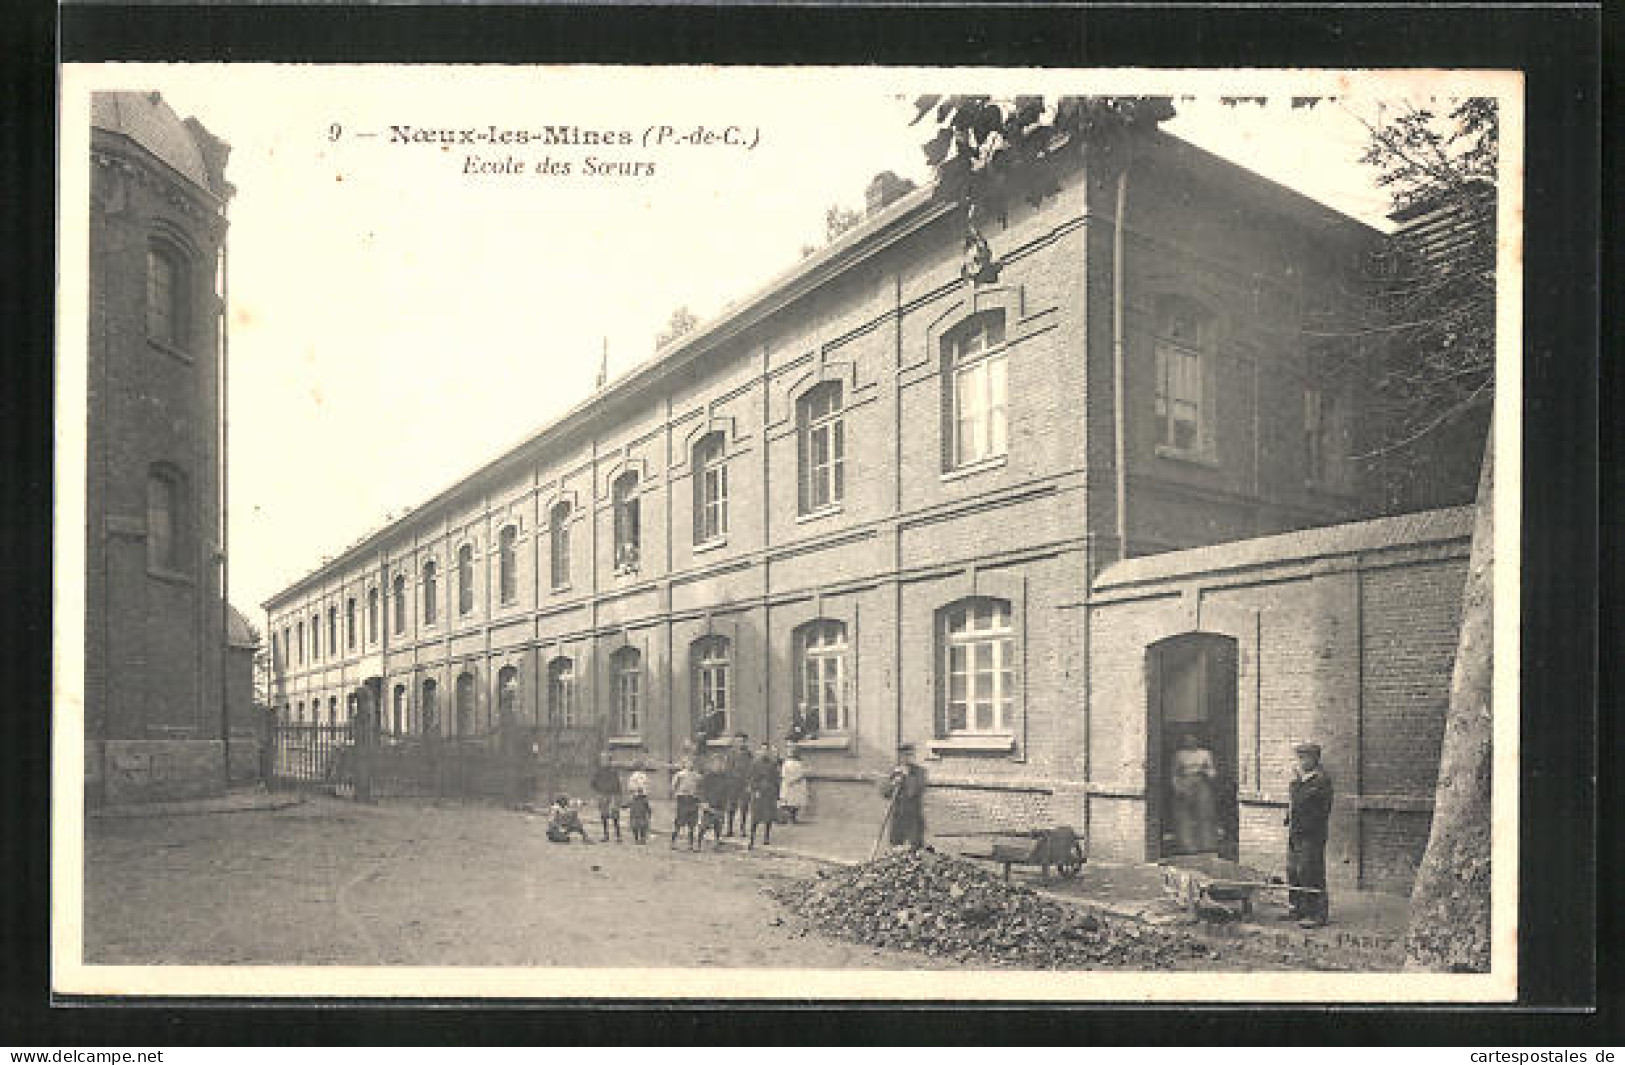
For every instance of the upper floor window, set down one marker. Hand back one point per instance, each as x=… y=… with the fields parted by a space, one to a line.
x=315 y=637
x=975 y=356
x=628 y=524
x=1183 y=338
x=431 y=593
x=561 y=693
x=332 y=630
x=1327 y=428
x=372 y=615
x=287 y=645
x=979 y=664
x=276 y=651
x=821 y=680
x=399 y=592
x=507 y=564
x=822 y=433
x=465 y=579
x=710 y=489
x=559 y=535
x=349 y=623
x=626 y=667
x=710 y=658
x=301 y=644
x=165 y=525
x=166 y=297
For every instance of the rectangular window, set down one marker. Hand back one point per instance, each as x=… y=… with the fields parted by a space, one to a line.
x=163 y=291
x=628 y=524
x=163 y=552
x=823 y=448
x=1179 y=397
x=714 y=494
x=628 y=700
x=349 y=624
x=980 y=403
x=980 y=669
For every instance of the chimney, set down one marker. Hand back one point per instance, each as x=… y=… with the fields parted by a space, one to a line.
x=885 y=188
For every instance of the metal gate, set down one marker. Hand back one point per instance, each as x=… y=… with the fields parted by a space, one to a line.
x=311 y=755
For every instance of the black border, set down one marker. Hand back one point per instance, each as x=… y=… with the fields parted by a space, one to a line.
x=1560 y=49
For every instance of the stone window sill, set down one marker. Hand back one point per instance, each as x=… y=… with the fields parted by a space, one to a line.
x=560 y=589
x=825 y=743
x=721 y=743
x=971 y=469
x=625 y=741
x=712 y=544
x=1194 y=458
x=990 y=743
x=822 y=512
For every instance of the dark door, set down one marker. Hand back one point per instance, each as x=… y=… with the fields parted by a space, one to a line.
x=1191 y=690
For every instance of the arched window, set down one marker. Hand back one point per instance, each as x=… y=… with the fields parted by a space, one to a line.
x=332 y=709
x=287 y=645
x=431 y=593
x=349 y=623
x=166 y=296
x=397 y=704
x=332 y=631
x=276 y=651
x=299 y=711
x=507 y=564
x=979 y=666
x=465 y=704
x=559 y=535
x=372 y=615
x=301 y=645
x=508 y=694
x=465 y=579
x=628 y=523
x=315 y=637
x=711 y=664
x=626 y=669
x=822 y=703
x=561 y=693
x=974 y=367
x=710 y=489
x=429 y=707
x=166 y=526
x=399 y=592
x=1183 y=341
x=821 y=431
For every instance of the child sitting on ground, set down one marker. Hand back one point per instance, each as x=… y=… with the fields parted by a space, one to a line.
x=637 y=803
x=564 y=821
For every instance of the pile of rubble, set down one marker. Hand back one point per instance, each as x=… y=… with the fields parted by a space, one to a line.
x=949 y=907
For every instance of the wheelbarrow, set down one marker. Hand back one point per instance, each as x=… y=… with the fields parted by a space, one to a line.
x=1207 y=882
x=1043 y=847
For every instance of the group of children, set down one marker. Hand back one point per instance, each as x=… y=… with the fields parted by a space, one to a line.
x=712 y=791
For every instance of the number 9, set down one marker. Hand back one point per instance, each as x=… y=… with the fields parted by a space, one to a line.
x=334 y=131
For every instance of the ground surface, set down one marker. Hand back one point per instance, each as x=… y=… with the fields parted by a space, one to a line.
x=333 y=882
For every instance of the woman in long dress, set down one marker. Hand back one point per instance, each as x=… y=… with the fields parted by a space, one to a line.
x=1195 y=819
x=793 y=789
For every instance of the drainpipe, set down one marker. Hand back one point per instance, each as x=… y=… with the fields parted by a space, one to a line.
x=225 y=520
x=1119 y=400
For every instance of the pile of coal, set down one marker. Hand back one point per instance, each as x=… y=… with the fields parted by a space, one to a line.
x=949 y=907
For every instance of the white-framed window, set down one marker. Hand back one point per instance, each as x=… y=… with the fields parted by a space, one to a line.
x=822 y=695
x=507 y=564
x=431 y=593
x=975 y=355
x=711 y=658
x=559 y=541
x=400 y=604
x=979 y=667
x=166 y=296
x=822 y=432
x=1184 y=334
x=465 y=579
x=561 y=693
x=710 y=489
x=628 y=522
x=626 y=668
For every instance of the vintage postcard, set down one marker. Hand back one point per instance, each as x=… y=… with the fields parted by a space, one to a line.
x=802 y=534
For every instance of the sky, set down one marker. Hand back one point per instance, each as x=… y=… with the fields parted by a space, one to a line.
x=396 y=321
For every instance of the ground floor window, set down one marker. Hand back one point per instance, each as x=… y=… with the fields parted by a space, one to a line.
x=561 y=693
x=979 y=664
x=627 y=666
x=821 y=679
x=712 y=672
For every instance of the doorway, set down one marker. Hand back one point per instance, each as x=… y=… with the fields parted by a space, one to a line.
x=1191 y=727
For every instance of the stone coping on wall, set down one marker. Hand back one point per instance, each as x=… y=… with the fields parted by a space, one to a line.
x=1453 y=525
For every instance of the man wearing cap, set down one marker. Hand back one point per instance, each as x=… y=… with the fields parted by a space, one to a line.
x=1306 y=819
x=906 y=788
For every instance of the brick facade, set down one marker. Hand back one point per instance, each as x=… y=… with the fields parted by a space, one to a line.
x=917 y=529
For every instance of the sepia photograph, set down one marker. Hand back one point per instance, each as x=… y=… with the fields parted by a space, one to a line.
x=852 y=533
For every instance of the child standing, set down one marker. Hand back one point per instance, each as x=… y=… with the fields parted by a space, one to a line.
x=606 y=785
x=685 y=788
x=637 y=790
x=717 y=791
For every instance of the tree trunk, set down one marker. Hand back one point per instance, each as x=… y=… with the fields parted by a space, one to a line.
x=1449 y=928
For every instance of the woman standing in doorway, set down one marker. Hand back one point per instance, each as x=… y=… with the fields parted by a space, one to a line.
x=1194 y=817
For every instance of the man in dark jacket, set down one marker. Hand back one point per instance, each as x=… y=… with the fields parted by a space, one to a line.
x=763 y=785
x=906 y=788
x=1311 y=809
x=738 y=770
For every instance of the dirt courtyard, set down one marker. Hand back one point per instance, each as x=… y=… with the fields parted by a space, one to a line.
x=333 y=882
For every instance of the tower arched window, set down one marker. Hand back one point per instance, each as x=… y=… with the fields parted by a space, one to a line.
x=166 y=296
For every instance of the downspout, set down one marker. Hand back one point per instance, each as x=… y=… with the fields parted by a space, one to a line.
x=1119 y=400
x=225 y=521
